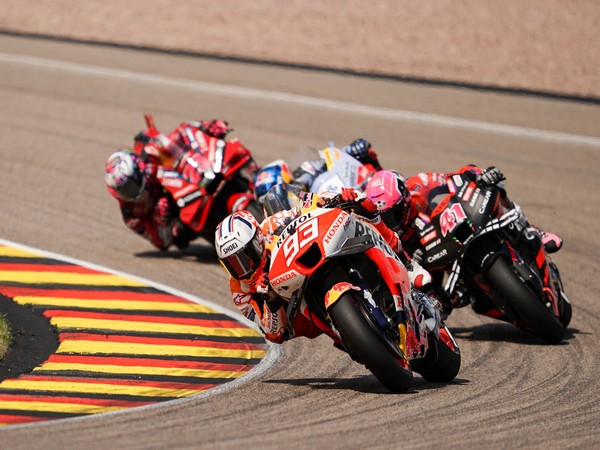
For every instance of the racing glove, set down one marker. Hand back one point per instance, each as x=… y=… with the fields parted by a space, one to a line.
x=361 y=150
x=489 y=177
x=216 y=128
x=162 y=212
x=345 y=198
x=262 y=283
x=273 y=324
x=358 y=149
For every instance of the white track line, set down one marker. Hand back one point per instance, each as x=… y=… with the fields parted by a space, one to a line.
x=274 y=351
x=292 y=99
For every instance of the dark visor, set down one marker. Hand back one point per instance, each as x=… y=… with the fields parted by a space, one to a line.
x=130 y=190
x=243 y=263
x=392 y=217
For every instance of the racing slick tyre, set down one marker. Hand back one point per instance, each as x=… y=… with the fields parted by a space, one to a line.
x=524 y=302
x=378 y=354
x=442 y=361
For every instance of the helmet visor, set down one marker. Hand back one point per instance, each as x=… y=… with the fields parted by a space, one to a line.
x=396 y=216
x=131 y=189
x=242 y=264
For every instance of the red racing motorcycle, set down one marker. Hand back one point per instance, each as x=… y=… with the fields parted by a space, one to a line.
x=339 y=272
x=208 y=180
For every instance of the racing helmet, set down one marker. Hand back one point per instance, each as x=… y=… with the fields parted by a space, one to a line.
x=124 y=176
x=276 y=172
x=240 y=245
x=388 y=190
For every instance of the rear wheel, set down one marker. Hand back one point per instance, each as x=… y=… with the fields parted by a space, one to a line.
x=524 y=302
x=442 y=361
x=377 y=353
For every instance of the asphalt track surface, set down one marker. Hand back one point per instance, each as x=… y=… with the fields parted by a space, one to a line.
x=66 y=107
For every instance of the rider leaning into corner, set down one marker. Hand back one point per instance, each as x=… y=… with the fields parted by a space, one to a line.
x=243 y=247
x=403 y=202
x=130 y=175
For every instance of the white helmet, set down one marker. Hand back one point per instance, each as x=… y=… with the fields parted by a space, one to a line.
x=240 y=245
x=123 y=175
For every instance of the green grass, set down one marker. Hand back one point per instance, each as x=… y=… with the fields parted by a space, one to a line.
x=5 y=336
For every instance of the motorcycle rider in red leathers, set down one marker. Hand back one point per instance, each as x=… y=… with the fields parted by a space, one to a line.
x=130 y=174
x=401 y=201
x=243 y=247
x=147 y=209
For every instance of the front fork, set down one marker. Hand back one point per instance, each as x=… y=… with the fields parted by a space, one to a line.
x=416 y=315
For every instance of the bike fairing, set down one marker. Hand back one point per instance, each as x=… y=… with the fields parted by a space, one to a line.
x=206 y=176
x=470 y=213
x=301 y=255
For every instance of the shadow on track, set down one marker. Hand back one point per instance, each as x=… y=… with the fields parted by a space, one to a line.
x=203 y=253
x=504 y=332
x=366 y=384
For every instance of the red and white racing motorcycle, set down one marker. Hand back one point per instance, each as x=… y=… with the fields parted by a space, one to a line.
x=339 y=272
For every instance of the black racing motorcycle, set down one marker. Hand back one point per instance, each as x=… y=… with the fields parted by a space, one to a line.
x=481 y=251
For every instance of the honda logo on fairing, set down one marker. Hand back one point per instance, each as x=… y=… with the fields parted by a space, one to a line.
x=282 y=278
x=335 y=227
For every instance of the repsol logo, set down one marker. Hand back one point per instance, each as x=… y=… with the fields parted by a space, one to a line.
x=229 y=248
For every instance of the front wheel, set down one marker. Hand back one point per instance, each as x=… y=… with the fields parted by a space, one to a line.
x=369 y=344
x=524 y=302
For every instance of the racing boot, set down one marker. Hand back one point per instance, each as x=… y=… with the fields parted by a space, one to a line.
x=552 y=242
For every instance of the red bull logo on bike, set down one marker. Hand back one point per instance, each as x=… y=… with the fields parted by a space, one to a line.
x=336 y=292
